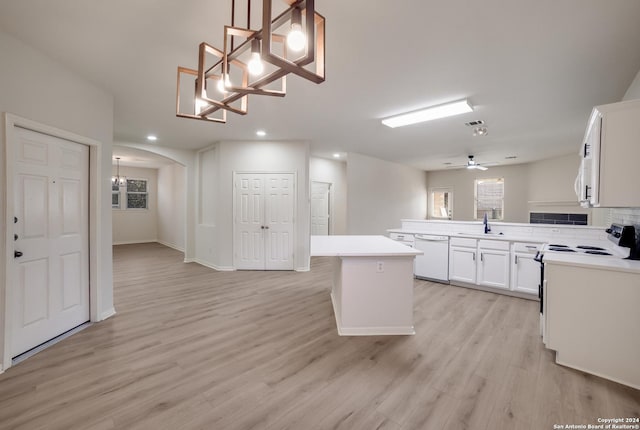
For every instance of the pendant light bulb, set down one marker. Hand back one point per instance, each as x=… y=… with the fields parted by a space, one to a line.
x=255 y=63
x=296 y=39
x=224 y=83
x=200 y=105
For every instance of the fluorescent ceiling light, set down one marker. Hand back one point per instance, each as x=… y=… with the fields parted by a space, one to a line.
x=428 y=114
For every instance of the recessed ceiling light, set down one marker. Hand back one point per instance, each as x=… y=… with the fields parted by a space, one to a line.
x=336 y=155
x=261 y=133
x=428 y=114
x=152 y=138
x=480 y=131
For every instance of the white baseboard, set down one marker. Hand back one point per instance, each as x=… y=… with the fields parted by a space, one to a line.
x=302 y=269
x=189 y=260
x=170 y=245
x=107 y=314
x=133 y=242
x=215 y=267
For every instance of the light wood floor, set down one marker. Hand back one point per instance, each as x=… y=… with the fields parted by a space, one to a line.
x=191 y=348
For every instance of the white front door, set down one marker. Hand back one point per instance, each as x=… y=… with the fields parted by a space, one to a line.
x=50 y=291
x=264 y=224
x=320 y=208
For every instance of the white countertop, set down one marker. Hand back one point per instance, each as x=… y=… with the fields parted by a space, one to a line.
x=606 y=263
x=359 y=246
x=490 y=236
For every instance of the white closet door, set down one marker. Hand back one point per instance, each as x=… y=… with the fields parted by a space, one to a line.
x=50 y=291
x=264 y=224
x=320 y=208
x=279 y=210
x=249 y=226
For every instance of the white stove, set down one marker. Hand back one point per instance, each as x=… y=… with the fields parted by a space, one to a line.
x=599 y=249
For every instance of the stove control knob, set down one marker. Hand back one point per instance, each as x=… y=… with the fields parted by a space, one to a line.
x=616 y=234
x=608 y=230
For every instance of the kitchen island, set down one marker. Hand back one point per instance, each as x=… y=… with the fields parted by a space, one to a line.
x=372 y=290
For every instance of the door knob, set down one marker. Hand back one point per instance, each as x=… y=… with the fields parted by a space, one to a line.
x=17 y=254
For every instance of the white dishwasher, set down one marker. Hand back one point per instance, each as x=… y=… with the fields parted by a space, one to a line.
x=434 y=263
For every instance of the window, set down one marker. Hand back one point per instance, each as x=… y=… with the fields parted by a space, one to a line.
x=137 y=195
x=489 y=198
x=115 y=196
x=441 y=203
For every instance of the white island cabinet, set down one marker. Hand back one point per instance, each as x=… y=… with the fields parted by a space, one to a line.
x=372 y=283
x=592 y=316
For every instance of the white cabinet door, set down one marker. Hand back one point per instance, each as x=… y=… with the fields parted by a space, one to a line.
x=462 y=264
x=264 y=222
x=493 y=268
x=50 y=292
x=526 y=274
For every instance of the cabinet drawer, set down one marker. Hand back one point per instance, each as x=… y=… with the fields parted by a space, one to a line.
x=501 y=245
x=402 y=237
x=527 y=247
x=463 y=241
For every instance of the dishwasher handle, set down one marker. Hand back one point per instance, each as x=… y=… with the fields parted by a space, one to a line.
x=430 y=238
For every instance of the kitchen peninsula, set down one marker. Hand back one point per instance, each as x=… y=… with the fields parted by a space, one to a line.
x=372 y=290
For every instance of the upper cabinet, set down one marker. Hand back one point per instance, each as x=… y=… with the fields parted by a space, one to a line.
x=610 y=157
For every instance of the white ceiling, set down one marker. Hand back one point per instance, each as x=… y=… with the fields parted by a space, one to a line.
x=532 y=69
x=132 y=157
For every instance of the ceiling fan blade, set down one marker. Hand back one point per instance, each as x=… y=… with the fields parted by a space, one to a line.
x=480 y=167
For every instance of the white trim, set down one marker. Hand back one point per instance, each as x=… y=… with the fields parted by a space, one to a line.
x=133 y=242
x=302 y=269
x=213 y=266
x=170 y=245
x=108 y=313
x=96 y=268
x=369 y=331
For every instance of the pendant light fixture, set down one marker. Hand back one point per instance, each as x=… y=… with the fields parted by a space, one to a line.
x=118 y=180
x=291 y=42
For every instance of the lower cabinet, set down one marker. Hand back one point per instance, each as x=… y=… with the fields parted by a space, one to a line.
x=493 y=268
x=498 y=264
x=526 y=273
x=462 y=264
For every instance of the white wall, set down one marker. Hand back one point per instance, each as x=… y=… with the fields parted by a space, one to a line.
x=633 y=92
x=171 y=207
x=34 y=86
x=187 y=159
x=214 y=235
x=381 y=193
x=137 y=225
x=462 y=182
x=335 y=173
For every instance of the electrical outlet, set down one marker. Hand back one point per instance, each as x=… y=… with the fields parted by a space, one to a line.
x=380 y=266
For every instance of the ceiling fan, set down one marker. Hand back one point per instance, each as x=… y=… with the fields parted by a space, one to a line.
x=473 y=165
